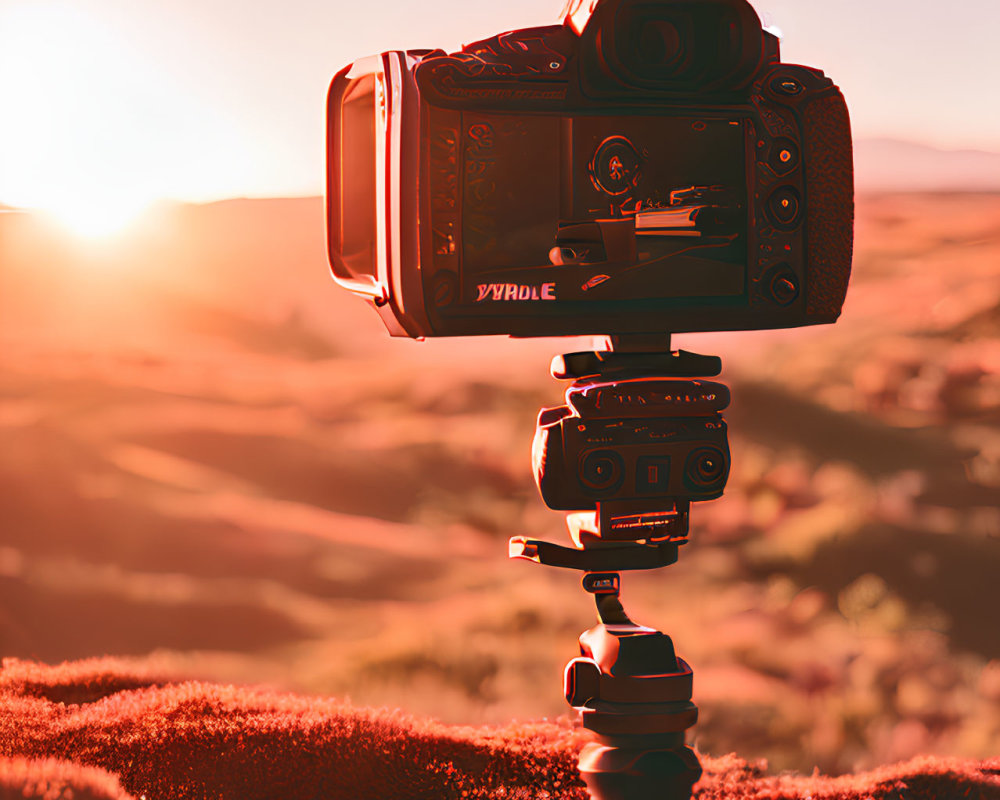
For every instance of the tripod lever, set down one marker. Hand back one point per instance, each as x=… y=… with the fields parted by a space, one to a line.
x=624 y=556
x=606 y=588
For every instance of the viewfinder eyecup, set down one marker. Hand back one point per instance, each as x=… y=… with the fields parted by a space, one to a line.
x=678 y=47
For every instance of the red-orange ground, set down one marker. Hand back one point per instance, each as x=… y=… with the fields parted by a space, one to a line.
x=102 y=729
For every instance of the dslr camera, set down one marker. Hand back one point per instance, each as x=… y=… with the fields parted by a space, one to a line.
x=647 y=166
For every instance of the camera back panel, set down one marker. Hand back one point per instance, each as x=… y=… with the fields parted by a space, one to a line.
x=513 y=192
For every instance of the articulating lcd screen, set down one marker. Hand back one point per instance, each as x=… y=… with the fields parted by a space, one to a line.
x=358 y=181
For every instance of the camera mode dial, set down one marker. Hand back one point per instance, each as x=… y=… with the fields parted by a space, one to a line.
x=614 y=169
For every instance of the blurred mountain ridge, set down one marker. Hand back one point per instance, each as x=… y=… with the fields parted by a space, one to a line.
x=885 y=164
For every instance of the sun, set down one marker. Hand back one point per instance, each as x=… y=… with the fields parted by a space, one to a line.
x=94 y=130
x=65 y=148
x=101 y=218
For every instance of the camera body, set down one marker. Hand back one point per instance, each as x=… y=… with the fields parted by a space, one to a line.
x=653 y=442
x=647 y=166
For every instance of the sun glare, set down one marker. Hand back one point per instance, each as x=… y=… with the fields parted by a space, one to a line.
x=62 y=144
x=94 y=131
x=96 y=220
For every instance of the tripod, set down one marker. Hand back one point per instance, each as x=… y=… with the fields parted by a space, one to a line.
x=640 y=437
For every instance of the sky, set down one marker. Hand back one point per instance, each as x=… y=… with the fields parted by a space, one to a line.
x=109 y=105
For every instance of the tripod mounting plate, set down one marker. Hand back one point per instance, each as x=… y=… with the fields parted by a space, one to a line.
x=619 y=365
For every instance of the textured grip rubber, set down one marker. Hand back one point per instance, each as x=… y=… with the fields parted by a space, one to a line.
x=830 y=205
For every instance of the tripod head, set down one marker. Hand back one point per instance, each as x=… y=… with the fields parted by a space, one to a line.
x=639 y=439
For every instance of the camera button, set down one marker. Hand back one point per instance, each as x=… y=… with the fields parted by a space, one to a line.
x=783 y=206
x=652 y=475
x=601 y=470
x=614 y=168
x=783 y=156
x=706 y=469
x=784 y=85
x=781 y=285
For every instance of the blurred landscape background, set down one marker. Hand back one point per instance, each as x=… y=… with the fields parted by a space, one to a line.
x=214 y=461
x=216 y=464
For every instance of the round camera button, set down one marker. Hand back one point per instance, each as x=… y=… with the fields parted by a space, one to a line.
x=614 y=168
x=705 y=469
x=783 y=156
x=781 y=285
x=783 y=289
x=783 y=206
x=601 y=470
x=784 y=85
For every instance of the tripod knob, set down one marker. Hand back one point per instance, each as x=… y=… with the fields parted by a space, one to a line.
x=581 y=682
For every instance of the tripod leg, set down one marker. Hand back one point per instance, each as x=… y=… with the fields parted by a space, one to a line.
x=629 y=773
x=635 y=693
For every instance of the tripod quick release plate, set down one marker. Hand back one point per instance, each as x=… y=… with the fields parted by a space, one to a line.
x=676 y=364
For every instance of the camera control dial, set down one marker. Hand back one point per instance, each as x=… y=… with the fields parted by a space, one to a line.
x=615 y=166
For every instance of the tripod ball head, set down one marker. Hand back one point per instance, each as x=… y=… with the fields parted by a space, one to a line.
x=639 y=447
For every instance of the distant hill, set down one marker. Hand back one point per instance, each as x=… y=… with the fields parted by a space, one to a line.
x=894 y=165
x=248 y=270
x=255 y=271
